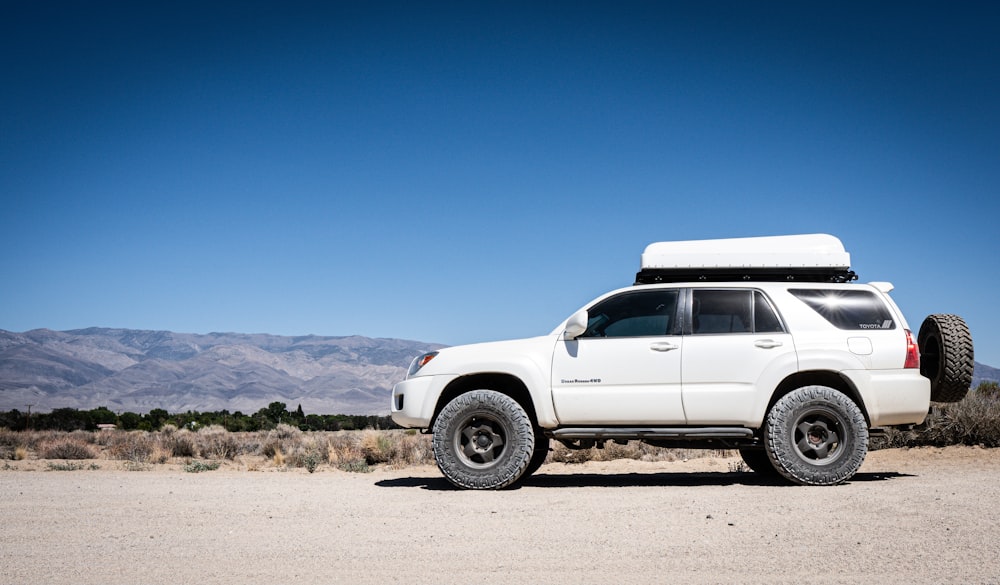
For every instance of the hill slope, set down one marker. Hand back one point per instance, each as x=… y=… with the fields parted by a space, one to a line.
x=132 y=370
x=984 y=373
x=137 y=371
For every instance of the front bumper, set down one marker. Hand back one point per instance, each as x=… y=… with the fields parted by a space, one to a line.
x=414 y=400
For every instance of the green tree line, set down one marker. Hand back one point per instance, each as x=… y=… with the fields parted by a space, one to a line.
x=71 y=419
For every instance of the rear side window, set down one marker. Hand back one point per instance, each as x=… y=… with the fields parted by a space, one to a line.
x=848 y=309
x=732 y=311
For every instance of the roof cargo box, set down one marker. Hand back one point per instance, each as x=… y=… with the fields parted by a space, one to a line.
x=806 y=258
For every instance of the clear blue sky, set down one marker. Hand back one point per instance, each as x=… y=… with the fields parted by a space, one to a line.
x=478 y=170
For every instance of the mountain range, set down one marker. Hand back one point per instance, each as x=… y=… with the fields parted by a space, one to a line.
x=984 y=373
x=137 y=371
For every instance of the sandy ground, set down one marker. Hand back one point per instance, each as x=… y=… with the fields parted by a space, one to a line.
x=914 y=516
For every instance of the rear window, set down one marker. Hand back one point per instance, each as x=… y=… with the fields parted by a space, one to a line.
x=848 y=309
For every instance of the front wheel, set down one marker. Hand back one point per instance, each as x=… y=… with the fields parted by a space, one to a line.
x=483 y=440
x=757 y=460
x=816 y=435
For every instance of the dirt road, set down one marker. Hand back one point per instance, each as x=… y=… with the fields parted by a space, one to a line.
x=921 y=515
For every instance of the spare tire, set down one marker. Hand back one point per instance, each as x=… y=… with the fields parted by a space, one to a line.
x=946 y=356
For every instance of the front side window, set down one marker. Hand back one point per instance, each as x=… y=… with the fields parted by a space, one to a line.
x=634 y=314
x=848 y=309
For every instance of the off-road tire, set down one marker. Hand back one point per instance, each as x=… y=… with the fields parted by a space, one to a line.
x=540 y=453
x=816 y=435
x=946 y=356
x=483 y=440
x=758 y=461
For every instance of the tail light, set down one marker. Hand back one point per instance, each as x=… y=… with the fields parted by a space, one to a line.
x=912 y=352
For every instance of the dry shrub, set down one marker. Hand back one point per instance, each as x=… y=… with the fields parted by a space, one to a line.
x=247 y=443
x=215 y=442
x=10 y=443
x=305 y=450
x=67 y=447
x=132 y=446
x=9 y=438
x=988 y=390
x=972 y=421
x=343 y=448
x=351 y=450
x=178 y=443
x=284 y=438
x=87 y=437
x=635 y=450
x=103 y=438
x=31 y=440
x=377 y=447
x=412 y=448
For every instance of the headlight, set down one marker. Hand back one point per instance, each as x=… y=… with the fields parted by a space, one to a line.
x=419 y=362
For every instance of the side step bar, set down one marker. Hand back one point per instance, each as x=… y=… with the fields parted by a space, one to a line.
x=641 y=433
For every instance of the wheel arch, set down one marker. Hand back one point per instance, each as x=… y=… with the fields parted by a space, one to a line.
x=819 y=378
x=500 y=382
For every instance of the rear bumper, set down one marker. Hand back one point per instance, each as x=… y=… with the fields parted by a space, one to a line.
x=893 y=397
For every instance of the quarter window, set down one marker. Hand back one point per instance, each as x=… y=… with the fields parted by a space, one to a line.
x=848 y=309
x=765 y=320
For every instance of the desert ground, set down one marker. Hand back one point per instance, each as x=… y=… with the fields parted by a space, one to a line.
x=910 y=516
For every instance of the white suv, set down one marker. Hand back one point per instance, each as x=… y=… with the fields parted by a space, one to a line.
x=758 y=344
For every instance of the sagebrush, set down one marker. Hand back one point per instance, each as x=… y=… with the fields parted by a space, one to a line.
x=973 y=421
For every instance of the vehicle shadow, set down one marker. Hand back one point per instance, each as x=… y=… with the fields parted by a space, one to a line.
x=626 y=480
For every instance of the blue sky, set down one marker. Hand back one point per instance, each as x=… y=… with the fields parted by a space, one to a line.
x=475 y=171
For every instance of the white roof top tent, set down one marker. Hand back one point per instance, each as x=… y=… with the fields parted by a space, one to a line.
x=802 y=258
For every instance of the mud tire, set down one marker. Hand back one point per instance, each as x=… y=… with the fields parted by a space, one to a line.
x=816 y=435
x=758 y=461
x=946 y=356
x=483 y=440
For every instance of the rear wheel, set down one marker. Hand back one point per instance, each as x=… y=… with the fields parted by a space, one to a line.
x=483 y=440
x=816 y=435
x=946 y=356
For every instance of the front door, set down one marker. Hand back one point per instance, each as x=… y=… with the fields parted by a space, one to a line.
x=626 y=368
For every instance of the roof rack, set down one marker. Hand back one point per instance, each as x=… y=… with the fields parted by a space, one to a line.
x=654 y=276
x=798 y=258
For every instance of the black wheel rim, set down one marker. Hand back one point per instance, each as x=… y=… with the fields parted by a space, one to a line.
x=819 y=436
x=481 y=440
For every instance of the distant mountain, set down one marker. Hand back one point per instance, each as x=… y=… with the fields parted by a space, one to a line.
x=983 y=373
x=132 y=370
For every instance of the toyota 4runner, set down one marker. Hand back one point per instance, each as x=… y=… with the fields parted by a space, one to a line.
x=764 y=345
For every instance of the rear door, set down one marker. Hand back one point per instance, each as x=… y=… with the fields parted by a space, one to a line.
x=736 y=351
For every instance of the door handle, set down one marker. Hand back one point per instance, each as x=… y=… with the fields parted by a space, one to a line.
x=767 y=343
x=663 y=346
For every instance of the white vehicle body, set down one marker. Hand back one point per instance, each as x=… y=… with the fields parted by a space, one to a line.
x=728 y=379
x=758 y=344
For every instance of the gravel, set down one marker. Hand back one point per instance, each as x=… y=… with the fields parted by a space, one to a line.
x=915 y=516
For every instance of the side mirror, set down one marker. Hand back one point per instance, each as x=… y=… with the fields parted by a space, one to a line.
x=576 y=325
